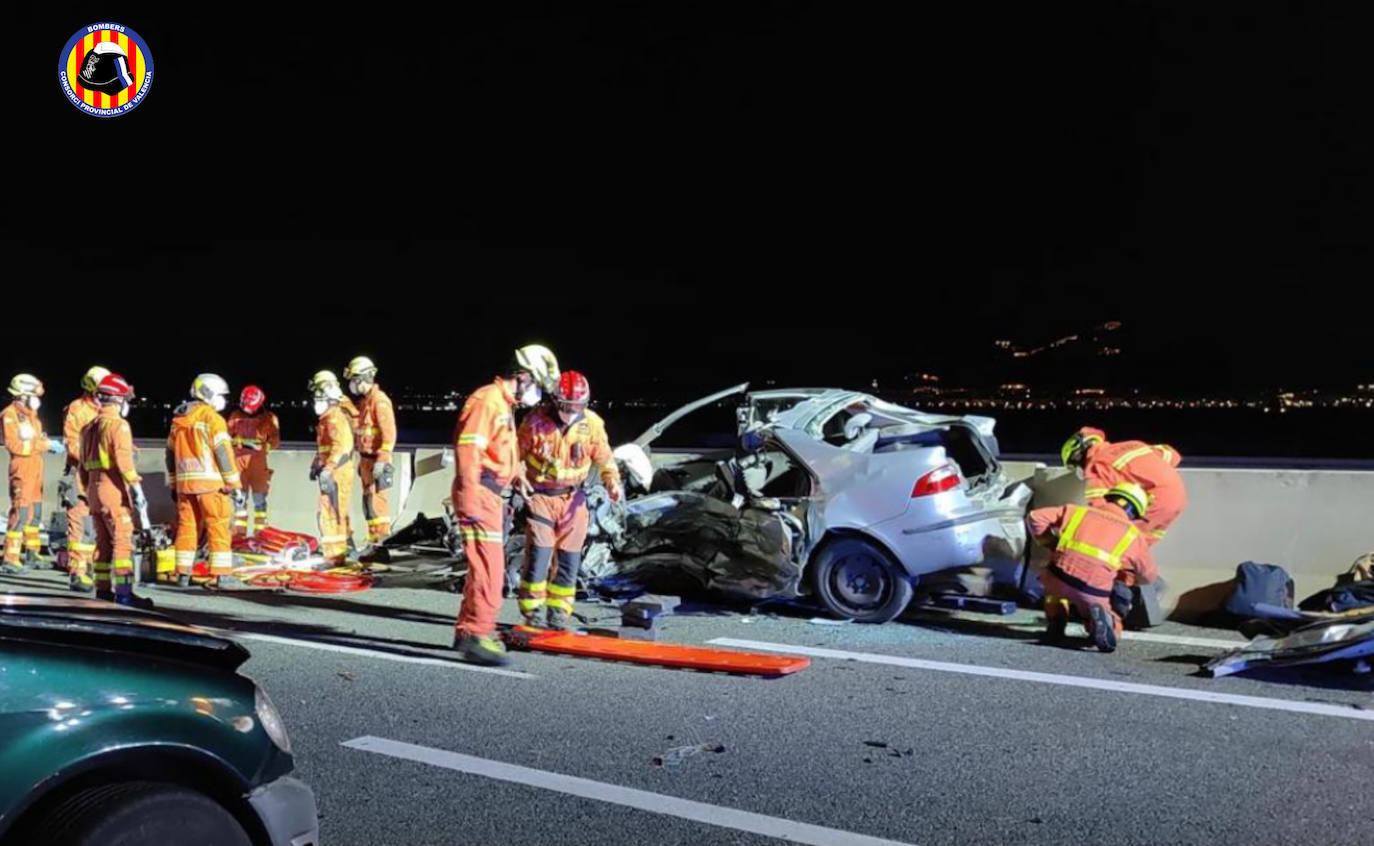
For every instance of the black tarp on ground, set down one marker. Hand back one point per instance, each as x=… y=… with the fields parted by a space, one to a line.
x=680 y=542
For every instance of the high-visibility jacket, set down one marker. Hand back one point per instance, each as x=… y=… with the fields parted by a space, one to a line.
x=333 y=439
x=107 y=449
x=200 y=453
x=24 y=436
x=561 y=456
x=78 y=413
x=1153 y=467
x=254 y=433
x=484 y=440
x=376 y=425
x=1093 y=546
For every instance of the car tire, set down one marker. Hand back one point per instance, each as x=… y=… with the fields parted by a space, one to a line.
x=140 y=812
x=856 y=578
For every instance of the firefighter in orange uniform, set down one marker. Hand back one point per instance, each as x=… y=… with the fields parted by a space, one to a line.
x=255 y=432
x=333 y=465
x=1093 y=547
x=559 y=448
x=1103 y=465
x=201 y=469
x=486 y=451
x=114 y=491
x=71 y=490
x=26 y=443
x=376 y=439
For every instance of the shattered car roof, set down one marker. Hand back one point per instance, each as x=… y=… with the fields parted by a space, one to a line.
x=809 y=414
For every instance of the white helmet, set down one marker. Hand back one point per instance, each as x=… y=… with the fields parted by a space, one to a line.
x=637 y=464
x=360 y=366
x=541 y=364
x=212 y=389
x=26 y=385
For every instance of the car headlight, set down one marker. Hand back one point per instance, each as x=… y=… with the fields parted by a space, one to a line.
x=271 y=720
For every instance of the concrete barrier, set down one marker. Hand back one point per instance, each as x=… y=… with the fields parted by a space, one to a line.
x=1312 y=522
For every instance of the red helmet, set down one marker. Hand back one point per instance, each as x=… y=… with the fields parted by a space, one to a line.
x=251 y=399
x=115 y=387
x=573 y=388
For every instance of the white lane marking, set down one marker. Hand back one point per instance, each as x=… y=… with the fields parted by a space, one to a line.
x=1319 y=708
x=372 y=653
x=658 y=803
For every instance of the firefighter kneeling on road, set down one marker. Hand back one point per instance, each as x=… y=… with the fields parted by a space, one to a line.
x=560 y=447
x=1093 y=546
x=333 y=465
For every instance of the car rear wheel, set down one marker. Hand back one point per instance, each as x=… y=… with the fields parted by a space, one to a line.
x=140 y=812
x=858 y=579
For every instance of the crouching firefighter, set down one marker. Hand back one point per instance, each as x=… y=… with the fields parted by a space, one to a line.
x=560 y=447
x=486 y=450
x=1102 y=464
x=255 y=432
x=1093 y=547
x=26 y=443
x=71 y=491
x=201 y=469
x=114 y=491
x=333 y=465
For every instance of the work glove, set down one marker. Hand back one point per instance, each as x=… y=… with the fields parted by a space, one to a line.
x=315 y=471
x=56 y=448
x=616 y=493
x=240 y=498
x=385 y=474
x=137 y=498
x=328 y=485
x=66 y=492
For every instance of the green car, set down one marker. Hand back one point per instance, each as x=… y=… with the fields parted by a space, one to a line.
x=122 y=727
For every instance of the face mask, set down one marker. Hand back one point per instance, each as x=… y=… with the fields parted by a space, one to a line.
x=34 y=403
x=531 y=396
x=567 y=416
x=321 y=406
x=218 y=402
x=124 y=409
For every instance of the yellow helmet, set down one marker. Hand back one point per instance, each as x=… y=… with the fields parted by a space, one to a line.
x=541 y=364
x=26 y=385
x=1078 y=443
x=91 y=381
x=321 y=379
x=360 y=366
x=1132 y=493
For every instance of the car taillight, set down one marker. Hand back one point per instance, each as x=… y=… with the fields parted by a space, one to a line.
x=939 y=480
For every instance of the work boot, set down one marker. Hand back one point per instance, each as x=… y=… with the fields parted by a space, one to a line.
x=229 y=583
x=559 y=620
x=531 y=619
x=487 y=650
x=13 y=568
x=80 y=583
x=183 y=580
x=1104 y=628
x=352 y=549
x=31 y=559
x=130 y=600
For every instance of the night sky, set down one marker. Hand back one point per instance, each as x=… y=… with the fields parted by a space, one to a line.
x=676 y=196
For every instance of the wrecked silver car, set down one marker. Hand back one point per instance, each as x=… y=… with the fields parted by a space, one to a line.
x=827 y=492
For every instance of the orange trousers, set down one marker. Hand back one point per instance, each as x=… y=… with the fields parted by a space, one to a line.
x=210 y=512
x=333 y=515
x=481 y=522
x=1060 y=597
x=376 y=504
x=257 y=480
x=114 y=534
x=80 y=535
x=557 y=525
x=26 y=506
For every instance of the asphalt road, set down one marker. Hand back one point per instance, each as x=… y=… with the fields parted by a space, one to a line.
x=865 y=743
